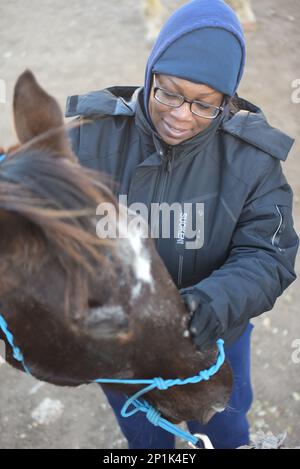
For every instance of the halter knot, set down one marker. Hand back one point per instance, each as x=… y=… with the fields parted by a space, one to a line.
x=161 y=384
x=17 y=354
x=153 y=416
x=205 y=374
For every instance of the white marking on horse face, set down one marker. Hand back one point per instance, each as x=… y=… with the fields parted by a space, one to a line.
x=140 y=260
x=136 y=290
x=142 y=267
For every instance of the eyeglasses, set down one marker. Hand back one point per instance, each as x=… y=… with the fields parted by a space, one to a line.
x=199 y=108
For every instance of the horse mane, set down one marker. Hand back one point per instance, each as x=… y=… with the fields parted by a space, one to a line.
x=59 y=197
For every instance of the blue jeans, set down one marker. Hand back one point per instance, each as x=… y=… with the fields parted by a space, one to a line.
x=228 y=429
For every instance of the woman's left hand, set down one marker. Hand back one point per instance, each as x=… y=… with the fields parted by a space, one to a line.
x=203 y=321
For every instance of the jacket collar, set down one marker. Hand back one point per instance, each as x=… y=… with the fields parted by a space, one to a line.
x=248 y=123
x=114 y=101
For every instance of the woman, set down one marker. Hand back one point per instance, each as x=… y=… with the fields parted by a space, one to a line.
x=187 y=137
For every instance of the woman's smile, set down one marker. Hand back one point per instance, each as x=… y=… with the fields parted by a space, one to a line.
x=175 y=132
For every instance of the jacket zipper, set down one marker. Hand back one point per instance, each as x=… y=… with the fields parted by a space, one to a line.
x=180 y=266
x=164 y=171
x=167 y=170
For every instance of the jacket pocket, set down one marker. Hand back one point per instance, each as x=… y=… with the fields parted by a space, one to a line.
x=274 y=223
x=280 y=227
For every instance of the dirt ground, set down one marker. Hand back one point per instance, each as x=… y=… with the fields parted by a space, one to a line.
x=74 y=47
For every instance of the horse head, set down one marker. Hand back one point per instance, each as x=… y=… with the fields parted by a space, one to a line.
x=80 y=306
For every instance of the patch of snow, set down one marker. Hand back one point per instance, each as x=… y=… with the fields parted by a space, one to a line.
x=48 y=411
x=36 y=388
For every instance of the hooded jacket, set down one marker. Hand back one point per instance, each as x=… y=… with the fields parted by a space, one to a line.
x=233 y=168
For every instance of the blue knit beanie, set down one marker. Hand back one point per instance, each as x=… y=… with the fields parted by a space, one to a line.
x=202 y=42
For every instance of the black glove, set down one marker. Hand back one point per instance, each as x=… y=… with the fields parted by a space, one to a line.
x=204 y=326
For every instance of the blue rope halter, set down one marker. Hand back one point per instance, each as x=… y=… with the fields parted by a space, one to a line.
x=17 y=354
x=162 y=384
x=156 y=383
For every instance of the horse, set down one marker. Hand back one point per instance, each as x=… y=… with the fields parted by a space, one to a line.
x=81 y=307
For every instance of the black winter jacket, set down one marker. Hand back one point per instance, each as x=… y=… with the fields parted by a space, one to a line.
x=246 y=259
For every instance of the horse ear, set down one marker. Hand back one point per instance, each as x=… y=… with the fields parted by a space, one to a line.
x=37 y=113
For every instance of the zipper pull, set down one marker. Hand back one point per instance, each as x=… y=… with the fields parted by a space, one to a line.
x=169 y=160
x=169 y=165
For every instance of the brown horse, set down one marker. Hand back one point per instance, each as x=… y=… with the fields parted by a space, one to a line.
x=80 y=307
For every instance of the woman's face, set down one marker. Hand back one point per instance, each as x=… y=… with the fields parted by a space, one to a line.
x=175 y=125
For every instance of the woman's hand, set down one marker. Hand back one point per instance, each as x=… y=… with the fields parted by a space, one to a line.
x=203 y=324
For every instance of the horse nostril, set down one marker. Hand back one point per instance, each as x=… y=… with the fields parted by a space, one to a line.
x=106 y=318
x=93 y=304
